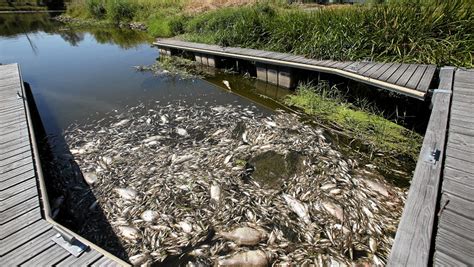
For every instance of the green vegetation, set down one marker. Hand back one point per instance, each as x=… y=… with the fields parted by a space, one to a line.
x=176 y=66
x=421 y=31
x=359 y=123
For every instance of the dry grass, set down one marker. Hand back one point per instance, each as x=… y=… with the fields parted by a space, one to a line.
x=198 y=6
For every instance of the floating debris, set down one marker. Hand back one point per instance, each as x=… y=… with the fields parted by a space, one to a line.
x=196 y=183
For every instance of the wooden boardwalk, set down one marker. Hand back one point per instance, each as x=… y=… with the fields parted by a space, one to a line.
x=437 y=225
x=26 y=231
x=413 y=80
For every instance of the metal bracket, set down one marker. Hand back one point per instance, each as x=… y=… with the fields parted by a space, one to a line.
x=69 y=243
x=433 y=156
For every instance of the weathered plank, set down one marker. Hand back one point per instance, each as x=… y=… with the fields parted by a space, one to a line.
x=403 y=80
x=49 y=257
x=18 y=210
x=85 y=259
x=441 y=259
x=33 y=247
x=9 y=192
x=24 y=235
x=381 y=70
x=20 y=222
x=413 y=239
x=426 y=79
x=459 y=247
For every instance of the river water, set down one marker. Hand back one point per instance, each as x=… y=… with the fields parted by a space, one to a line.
x=80 y=76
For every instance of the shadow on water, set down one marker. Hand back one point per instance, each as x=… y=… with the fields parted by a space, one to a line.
x=72 y=201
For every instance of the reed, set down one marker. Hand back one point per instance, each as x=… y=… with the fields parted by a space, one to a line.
x=424 y=31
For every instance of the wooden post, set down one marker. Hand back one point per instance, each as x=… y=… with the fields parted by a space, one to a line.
x=285 y=77
x=198 y=58
x=261 y=71
x=272 y=74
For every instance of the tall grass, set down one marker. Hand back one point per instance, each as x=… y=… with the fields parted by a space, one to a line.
x=416 y=31
x=424 y=31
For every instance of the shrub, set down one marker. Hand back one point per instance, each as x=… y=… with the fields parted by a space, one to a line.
x=120 y=10
x=96 y=8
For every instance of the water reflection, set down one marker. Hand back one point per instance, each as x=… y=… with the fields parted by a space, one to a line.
x=17 y=25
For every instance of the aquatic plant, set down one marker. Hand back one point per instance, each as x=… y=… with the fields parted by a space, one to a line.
x=366 y=124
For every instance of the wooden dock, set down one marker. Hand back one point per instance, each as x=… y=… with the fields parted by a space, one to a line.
x=26 y=229
x=437 y=225
x=412 y=80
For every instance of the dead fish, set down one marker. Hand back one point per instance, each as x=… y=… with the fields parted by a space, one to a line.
x=227 y=84
x=246 y=236
x=255 y=258
x=90 y=178
x=126 y=193
x=129 y=232
x=164 y=119
x=181 y=131
x=181 y=159
x=333 y=209
x=187 y=227
x=153 y=138
x=149 y=215
x=377 y=187
x=138 y=259
x=297 y=207
x=227 y=159
x=121 y=123
x=215 y=193
x=372 y=245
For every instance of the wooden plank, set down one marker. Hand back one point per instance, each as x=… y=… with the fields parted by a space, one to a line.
x=388 y=73
x=105 y=262
x=456 y=223
x=20 y=178
x=397 y=74
x=462 y=154
x=403 y=80
x=355 y=66
x=85 y=259
x=441 y=259
x=18 y=210
x=381 y=70
x=25 y=169
x=373 y=69
x=12 y=163
x=18 y=198
x=426 y=79
x=20 y=222
x=9 y=192
x=460 y=176
x=49 y=257
x=414 y=235
x=459 y=247
x=24 y=235
x=366 y=67
x=458 y=189
x=28 y=250
x=458 y=205
x=15 y=150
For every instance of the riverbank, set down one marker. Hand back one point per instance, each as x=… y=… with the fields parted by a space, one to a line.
x=425 y=32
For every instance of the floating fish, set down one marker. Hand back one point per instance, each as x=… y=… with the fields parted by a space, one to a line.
x=254 y=258
x=297 y=207
x=126 y=193
x=246 y=236
x=227 y=84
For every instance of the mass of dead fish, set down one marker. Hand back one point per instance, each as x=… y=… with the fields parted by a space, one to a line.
x=175 y=183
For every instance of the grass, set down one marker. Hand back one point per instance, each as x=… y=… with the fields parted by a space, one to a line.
x=419 y=31
x=360 y=123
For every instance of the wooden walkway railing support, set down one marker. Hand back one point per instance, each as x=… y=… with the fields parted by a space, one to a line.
x=413 y=241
